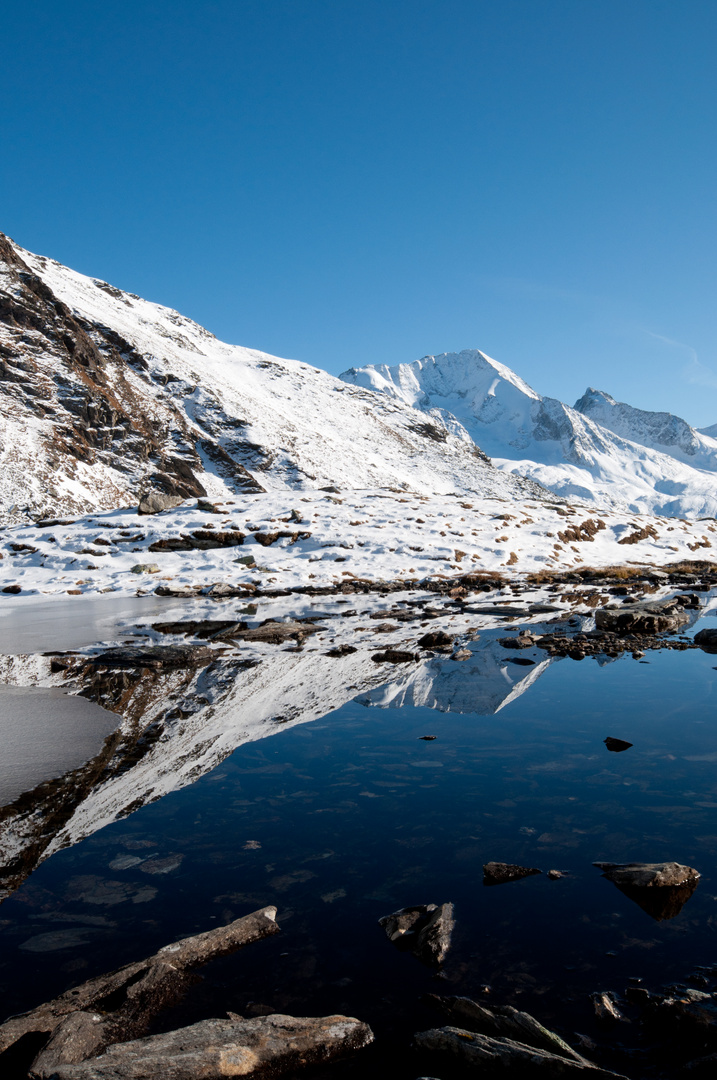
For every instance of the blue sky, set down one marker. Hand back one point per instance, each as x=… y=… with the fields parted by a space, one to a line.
x=353 y=181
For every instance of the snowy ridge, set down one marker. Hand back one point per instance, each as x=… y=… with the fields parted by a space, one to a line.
x=105 y=395
x=599 y=452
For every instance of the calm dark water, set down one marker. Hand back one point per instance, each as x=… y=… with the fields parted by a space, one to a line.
x=346 y=819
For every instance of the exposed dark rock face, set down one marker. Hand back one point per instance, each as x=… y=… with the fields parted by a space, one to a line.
x=88 y=384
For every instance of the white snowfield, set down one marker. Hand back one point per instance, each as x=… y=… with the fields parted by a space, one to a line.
x=601 y=451
x=330 y=539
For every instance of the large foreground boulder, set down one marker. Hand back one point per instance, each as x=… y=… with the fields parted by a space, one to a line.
x=118 y=1006
x=262 y=1046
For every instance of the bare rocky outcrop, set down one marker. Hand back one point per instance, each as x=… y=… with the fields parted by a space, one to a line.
x=111 y=1008
x=261 y=1047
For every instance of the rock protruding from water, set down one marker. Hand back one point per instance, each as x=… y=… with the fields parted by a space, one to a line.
x=617 y=746
x=649 y=875
x=262 y=1046
x=502 y=1021
x=424 y=930
x=646 y=617
x=489 y=1056
x=498 y=873
x=83 y=1021
x=660 y=889
x=707 y=640
x=154 y=502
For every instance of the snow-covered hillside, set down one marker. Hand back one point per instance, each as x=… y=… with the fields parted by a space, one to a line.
x=600 y=451
x=104 y=395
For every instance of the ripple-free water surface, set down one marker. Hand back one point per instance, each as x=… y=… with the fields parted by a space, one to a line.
x=348 y=818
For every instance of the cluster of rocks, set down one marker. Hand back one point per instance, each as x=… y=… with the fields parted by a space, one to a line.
x=96 y=1031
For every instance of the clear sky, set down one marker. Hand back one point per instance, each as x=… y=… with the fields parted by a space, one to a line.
x=369 y=181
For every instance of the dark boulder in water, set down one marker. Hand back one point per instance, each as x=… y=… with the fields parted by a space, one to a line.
x=424 y=930
x=497 y=873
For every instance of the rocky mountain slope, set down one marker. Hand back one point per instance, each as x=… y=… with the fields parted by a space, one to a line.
x=600 y=451
x=104 y=395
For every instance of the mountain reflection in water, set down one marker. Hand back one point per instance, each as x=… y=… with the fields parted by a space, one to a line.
x=193 y=814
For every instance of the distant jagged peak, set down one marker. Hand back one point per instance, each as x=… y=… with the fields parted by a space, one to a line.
x=656 y=429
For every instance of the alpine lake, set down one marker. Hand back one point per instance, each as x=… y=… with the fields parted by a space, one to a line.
x=347 y=789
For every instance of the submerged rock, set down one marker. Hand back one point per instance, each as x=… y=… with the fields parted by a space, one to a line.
x=264 y=1045
x=424 y=930
x=497 y=873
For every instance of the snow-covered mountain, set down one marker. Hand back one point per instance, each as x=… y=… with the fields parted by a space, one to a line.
x=600 y=451
x=658 y=430
x=103 y=395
